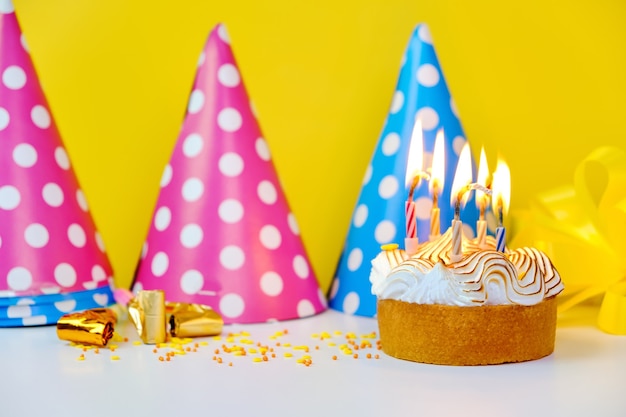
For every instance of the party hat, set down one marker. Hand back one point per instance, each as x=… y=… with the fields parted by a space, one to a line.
x=379 y=216
x=48 y=241
x=222 y=233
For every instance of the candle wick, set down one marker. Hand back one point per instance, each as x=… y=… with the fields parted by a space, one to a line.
x=500 y=214
x=417 y=180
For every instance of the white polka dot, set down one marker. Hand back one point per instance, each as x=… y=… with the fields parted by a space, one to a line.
x=351 y=303
x=368 y=175
x=166 y=177
x=191 y=282
x=429 y=118
x=453 y=107
x=60 y=156
x=35 y=321
x=322 y=297
x=51 y=290
x=65 y=306
x=230 y=211
x=232 y=257
x=293 y=224
x=192 y=146
x=160 y=263
x=196 y=101
x=52 y=194
x=36 y=235
x=9 y=197
x=162 y=218
x=191 y=236
x=388 y=187
x=99 y=241
x=424 y=34
x=14 y=77
x=40 y=117
x=98 y=273
x=391 y=144
x=101 y=299
x=24 y=43
x=271 y=284
x=334 y=288
x=231 y=164
x=423 y=205
x=270 y=237
x=385 y=232
x=193 y=189
x=4 y=118
x=65 y=275
x=19 y=311
x=223 y=33
x=360 y=215
x=24 y=155
x=457 y=144
x=201 y=58
x=19 y=279
x=137 y=287
x=81 y=200
x=232 y=305
x=228 y=75
x=305 y=308
x=262 y=149
x=427 y=75
x=267 y=192
x=300 y=266
x=397 y=102
x=355 y=259
x=144 y=250
x=6 y=7
x=76 y=235
x=229 y=119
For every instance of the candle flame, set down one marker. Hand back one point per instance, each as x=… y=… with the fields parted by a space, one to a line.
x=501 y=188
x=462 y=178
x=439 y=165
x=482 y=178
x=415 y=159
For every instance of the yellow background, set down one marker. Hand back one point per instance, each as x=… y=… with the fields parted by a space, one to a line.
x=540 y=82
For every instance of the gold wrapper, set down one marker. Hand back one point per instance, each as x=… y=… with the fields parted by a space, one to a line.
x=93 y=327
x=193 y=320
x=147 y=312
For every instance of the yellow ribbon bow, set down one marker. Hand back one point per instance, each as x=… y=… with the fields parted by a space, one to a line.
x=583 y=230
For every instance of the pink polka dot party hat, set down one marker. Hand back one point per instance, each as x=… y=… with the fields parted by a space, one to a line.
x=52 y=258
x=222 y=233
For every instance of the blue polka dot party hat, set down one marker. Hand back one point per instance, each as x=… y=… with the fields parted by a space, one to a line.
x=52 y=258
x=379 y=217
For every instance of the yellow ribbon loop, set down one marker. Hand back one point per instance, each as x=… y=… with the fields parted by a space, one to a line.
x=583 y=230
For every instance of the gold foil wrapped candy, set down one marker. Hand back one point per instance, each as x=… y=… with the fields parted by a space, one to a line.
x=93 y=327
x=193 y=320
x=147 y=312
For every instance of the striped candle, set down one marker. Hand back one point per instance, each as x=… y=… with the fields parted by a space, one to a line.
x=500 y=238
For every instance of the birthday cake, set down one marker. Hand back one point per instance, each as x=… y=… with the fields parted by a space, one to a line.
x=490 y=307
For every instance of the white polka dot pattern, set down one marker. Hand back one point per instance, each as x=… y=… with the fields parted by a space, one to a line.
x=48 y=238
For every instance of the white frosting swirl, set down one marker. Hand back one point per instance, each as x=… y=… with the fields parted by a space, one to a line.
x=523 y=276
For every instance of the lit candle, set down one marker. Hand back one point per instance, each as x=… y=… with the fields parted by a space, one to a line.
x=482 y=200
x=435 y=185
x=458 y=197
x=414 y=175
x=500 y=201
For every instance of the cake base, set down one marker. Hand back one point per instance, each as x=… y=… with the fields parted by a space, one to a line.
x=450 y=335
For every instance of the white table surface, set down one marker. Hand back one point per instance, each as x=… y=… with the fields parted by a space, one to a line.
x=41 y=375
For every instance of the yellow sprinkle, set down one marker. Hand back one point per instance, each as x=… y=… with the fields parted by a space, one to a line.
x=389 y=246
x=179 y=352
x=350 y=335
x=273 y=337
x=252 y=350
x=337 y=333
x=288 y=355
x=204 y=343
x=331 y=344
x=217 y=337
x=315 y=336
x=287 y=344
x=115 y=358
x=306 y=356
x=262 y=350
x=247 y=341
x=137 y=342
x=117 y=338
x=239 y=353
x=257 y=359
x=301 y=360
x=245 y=333
x=80 y=358
x=230 y=339
x=113 y=347
x=325 y=335
x=301 y=347
x=347 y=351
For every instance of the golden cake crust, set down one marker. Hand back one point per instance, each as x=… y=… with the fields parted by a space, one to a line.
x=482 y=335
